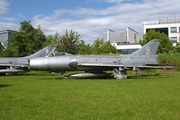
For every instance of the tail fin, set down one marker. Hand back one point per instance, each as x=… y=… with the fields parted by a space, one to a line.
x=43 y=52
x=149 y=49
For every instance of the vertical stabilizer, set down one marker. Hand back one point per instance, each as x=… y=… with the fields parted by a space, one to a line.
x=149 y=49
x=43 y=52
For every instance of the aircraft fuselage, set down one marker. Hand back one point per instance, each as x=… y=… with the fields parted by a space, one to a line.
x=71 y=62
x=14 y=60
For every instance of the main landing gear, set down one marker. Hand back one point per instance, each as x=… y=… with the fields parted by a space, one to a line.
x=120 y=73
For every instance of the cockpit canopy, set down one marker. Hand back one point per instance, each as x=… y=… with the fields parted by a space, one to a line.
x=59 y=54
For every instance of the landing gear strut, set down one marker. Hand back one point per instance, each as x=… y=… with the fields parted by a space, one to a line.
x=120 y=74
x=136 y=70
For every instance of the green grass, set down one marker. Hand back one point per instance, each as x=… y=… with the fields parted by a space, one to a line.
x=40 y=95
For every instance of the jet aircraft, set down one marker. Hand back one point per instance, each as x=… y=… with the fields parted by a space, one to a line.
x=95 y=66
x=13 y=65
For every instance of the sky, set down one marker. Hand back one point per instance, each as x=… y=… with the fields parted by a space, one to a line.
x=90 y=18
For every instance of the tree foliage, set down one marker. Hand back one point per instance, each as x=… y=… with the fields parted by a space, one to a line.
x=51 y=39
x=101 y=47
x=84 y=49
x=2 y=48
x=176 y=48
x=107 y=48
x=165 y=45
x=97 y=46
x=26 y=41
x=69 y=42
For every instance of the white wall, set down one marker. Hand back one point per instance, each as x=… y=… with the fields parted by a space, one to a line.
x=151 y=26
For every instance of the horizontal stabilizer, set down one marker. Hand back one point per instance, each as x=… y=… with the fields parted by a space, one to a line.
x=156 y=67
x=11 y=70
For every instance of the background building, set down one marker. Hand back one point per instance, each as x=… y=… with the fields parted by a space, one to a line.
x=5 y=37
x=126 y=41
x=170 y=26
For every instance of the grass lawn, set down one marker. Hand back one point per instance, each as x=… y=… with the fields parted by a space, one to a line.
x=40 y=95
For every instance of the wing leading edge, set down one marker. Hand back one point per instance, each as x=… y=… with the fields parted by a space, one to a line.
x=125 y=66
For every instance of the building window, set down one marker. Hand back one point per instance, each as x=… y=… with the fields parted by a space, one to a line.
x=135 y=38
x=173 y=29
x=174 y=39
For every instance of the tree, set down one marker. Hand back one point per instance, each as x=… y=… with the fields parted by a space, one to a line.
x=84 y=49
x=97 y=46
x=69 y=42
x=51 y=40
x=2 y=48
x=165 y=45
x=101 y=47
x=107 y=48
x=26 y=41
x=176 y=48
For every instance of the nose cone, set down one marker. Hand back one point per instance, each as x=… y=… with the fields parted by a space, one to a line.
x=39 y=64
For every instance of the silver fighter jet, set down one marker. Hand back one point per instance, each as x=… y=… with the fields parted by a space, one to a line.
x=95 y=66
x=13 y=65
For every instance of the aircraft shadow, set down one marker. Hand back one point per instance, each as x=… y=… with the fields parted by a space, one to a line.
x=4 y=85
x=68 y=77
x=142 y=76
x=105 y=78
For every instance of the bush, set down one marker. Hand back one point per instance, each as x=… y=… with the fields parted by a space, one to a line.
x=170 y=59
